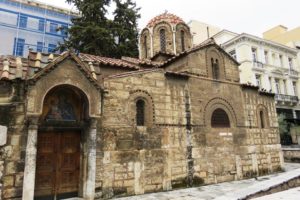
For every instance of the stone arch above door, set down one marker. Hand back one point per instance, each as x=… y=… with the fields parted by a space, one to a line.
x=66 y=73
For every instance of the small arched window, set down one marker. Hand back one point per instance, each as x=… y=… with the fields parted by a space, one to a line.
x=140 y=112
x=219 y=119
x=145 y=46
x=261 y=118
x=162 y=35
x=182 y=40
x=215 y=68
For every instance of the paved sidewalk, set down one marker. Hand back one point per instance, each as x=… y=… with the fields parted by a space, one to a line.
x=224 y=191
x=291 y=194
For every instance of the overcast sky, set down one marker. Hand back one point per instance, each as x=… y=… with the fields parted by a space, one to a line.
x=249 y=16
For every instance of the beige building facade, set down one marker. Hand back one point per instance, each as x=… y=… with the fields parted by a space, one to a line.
x=202 y=31
x=282 y=35
x=269 y=65
x=96 y=128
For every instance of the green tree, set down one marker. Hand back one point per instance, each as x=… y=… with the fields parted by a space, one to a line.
x=90 y=32
x=94 y=33
x=125 y=28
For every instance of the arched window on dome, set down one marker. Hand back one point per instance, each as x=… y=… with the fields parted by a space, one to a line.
x=140 y=112
x=145 y=46
x=162 y=35
x=219 y=119
x=182 y=40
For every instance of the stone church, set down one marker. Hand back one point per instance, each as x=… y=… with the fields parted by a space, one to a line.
x=79 y=125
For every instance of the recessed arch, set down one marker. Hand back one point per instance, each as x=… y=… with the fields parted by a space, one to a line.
x=219 y=103
x=148 y=108
x=212 y=54
x=262 y=116
x=220 y=119
x=66 y=103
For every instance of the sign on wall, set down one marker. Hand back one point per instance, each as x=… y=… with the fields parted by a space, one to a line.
x=3 y=135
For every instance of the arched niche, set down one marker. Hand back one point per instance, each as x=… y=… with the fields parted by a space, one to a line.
x=183 y=36
x=215 y=62
x=65 y=104
x=145 y=43
x=168 y=37
x=219 y=103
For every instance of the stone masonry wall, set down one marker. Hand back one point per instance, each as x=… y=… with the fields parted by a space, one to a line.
x=13 y=153
x=180 y=148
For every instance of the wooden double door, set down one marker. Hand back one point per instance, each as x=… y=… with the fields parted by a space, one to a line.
x=57 y=165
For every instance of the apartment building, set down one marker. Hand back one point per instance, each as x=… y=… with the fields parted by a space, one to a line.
x=283 y=35
x=26 y=25
x=271 y=66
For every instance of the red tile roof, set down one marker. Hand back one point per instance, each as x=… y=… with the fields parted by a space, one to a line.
x=167 y=17
x=10 y=66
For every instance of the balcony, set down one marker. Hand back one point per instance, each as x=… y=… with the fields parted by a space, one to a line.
x=286 y=99
x=293 y=72
x=258 y=66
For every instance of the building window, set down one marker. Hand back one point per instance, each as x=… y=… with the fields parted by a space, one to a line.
x=162 y=35
x=258 y=80
x=51 y=48
x=281 y=60
x=254 y=54
x=19 y=45
x=23 y=22
x=233 y=54
x=261 y=118
x=53 y=28
x=140 y=112
x=290 y=63
x=284 y=87
x=266 y=57
x=182 y=40
x=215 y=68
x=277 y=86
x=145 y=46
x=219 y=119
x=295 y=88
x=39 y=47
x=64 y=30
x=274 y=59
x=41 y=25
x=270 y=83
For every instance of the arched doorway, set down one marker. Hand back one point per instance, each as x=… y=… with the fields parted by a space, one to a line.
x=60 y=138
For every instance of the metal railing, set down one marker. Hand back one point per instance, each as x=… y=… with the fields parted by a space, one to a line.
x=258 y=64
x=286 y=98
x=293 y=72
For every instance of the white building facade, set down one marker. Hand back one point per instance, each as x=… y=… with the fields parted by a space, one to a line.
x=26 y=25
x=271 y=66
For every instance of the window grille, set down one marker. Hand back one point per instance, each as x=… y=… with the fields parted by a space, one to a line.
x=215 y=68
x=162 y=34
x=140 y=113
x=51 y=48
x=145 y=46
x=19 y=45
x=41 y=25
x=220 y=119
x=39 y=47
x=182 y=41
x=53 y=28
x=23 y=22
x=261 y=117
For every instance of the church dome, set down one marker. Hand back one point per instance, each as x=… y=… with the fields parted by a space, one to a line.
x=166 y=17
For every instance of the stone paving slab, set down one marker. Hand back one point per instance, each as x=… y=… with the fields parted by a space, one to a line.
x=224 y=191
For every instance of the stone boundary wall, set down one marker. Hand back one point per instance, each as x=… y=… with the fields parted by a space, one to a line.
x=291 y=154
